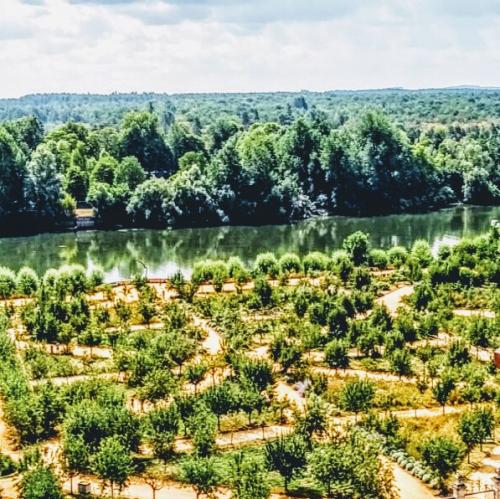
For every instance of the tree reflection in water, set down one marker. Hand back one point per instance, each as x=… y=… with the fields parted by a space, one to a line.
x=163 y=251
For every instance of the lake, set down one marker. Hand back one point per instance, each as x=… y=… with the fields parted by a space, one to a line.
x=121 y=252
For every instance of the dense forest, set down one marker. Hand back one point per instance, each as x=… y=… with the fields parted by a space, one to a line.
x=213 y=159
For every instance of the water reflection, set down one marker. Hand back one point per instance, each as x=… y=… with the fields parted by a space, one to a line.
x=119 y=252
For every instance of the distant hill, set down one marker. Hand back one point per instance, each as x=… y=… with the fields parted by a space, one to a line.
x=408 y=107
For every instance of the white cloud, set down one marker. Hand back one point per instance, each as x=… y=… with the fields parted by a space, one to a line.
x=230 y=45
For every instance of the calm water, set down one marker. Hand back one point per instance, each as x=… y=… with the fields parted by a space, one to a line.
x=119 y=252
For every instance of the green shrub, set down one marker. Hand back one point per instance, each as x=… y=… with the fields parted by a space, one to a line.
x=96 y=278
x=266 y=263
x=357 y=247
x=289 y=263
x=7 y=283
x=7 y=465
x=72 y=279
x=50 y=277
x=315 y=262
x=421 y=251
x=220 y=274
x=202 y=271
x=27 y=281
x=397 y=256
x=378 y=258
x=235 y=267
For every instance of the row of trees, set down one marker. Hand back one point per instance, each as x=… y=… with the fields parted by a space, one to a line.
x=139 y=174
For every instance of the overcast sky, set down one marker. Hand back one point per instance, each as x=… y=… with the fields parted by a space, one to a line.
x=253 y=45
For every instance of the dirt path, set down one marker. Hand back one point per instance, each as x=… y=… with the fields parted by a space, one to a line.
x=444 y=340
x=74 y=350
x=360 y=373
x=489 y=314
x=393 y=299
x=213 y=342
x=138 y=489
x=286 y=392
x=409 y=486
x=238 y=438
x=68 y=380
x=6 y=442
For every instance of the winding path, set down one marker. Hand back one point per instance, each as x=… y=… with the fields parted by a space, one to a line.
x=393 y=299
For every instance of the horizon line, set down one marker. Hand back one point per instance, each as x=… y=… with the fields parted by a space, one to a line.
x=233 y=92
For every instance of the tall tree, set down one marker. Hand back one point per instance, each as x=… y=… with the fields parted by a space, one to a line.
x=43 y=186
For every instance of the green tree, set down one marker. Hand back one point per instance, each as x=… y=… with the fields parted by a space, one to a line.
x=162 y=426
x=357 y=247
x=203 y=430
x=182 y=141
x=287 y=456
x=12 y=173
x=201 y=473
x=27 y=281
x=336 y=354
x=219 y=132
x=43 y=186
x=263 y=291
x=266 y=264
x=129 y=172
x=140 y=137
x=351 y=466
x=146 y=306
x=421 y=251
x=249 y=479
x=313 y=420
x=195 y=374
x=401 y=362
x=7 y=283
x=485 y=423
x=75 y=457
x=289 y=263
x=469 y=431
x=112 y=463
x=356 y=396
x=458 y=354
x=40 y=483
x=104 y=170
x=443 y=388
x=443 y=456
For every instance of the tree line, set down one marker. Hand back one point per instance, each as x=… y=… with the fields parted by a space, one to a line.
x=407 y=107
x=144 y=173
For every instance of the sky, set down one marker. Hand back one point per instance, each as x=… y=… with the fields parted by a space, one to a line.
x=177 y=46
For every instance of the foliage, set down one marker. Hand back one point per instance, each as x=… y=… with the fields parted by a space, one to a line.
x=201 y=473
x=442 y=455
x=278 y=157
x=287 y=455
x=40 y=483
x=356 y=396
x=112 y=463
x=351 y=466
